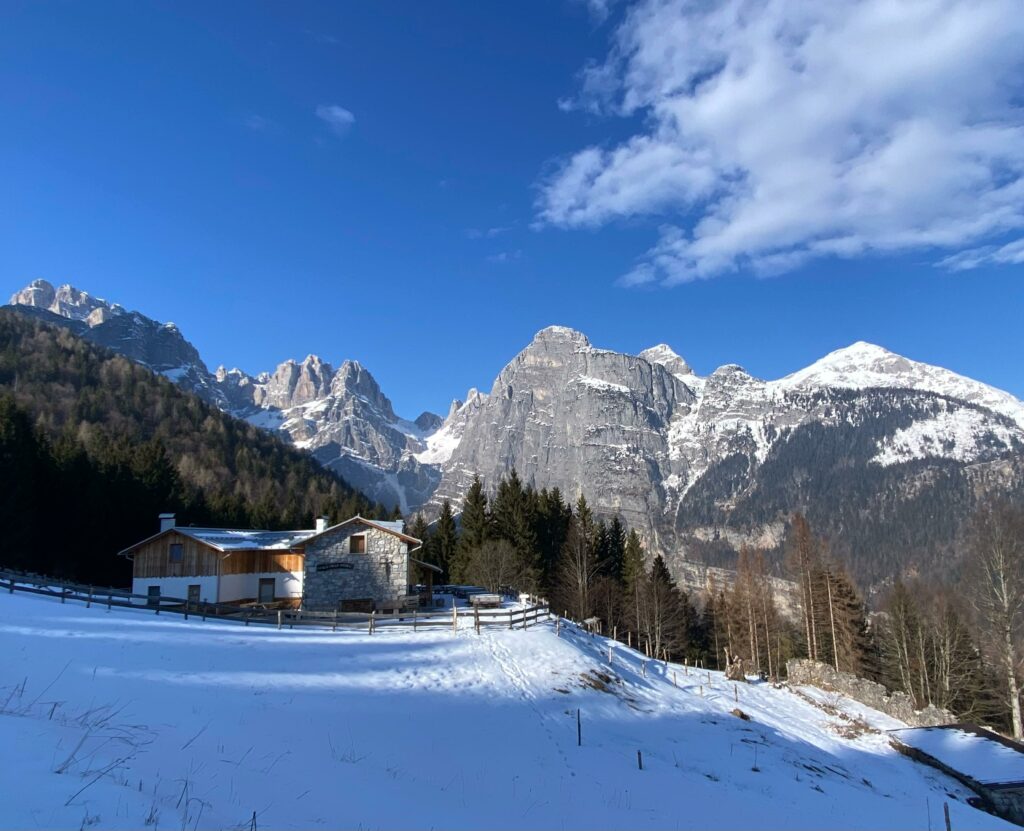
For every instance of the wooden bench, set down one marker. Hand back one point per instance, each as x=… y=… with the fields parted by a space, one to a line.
x=487 y=601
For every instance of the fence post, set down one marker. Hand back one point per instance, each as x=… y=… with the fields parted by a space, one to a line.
x=579 y=729
x=413 y=620
x=455 y=616
x=639 y=760
x=510 y=618
x=187 y=604
x=945 y=810
x=334 y=627
x=110 y=601
x=476 y=618
x=373 y=613
x=279 y=615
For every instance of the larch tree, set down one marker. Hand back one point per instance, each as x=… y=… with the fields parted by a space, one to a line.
x=995 y=570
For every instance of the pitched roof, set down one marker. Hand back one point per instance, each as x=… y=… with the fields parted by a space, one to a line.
x=234 y=539
x=980 y=754
x=230 y=539
x=241 y=539
x=391 y=526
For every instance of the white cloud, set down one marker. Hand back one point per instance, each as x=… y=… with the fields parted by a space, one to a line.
x=505 y=256
x=337 y=118
x=778 y=131
x=599 y=9
x=1010 y=254
x=487 y=233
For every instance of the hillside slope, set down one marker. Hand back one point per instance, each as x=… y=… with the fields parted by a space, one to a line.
x=122 y=444
x=124 y=719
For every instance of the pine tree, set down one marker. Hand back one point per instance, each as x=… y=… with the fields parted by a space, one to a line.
x=513 y=513
x=445 y=540
x=551 y=529
x=634 y=574
x=616 y=550
x=476 y=528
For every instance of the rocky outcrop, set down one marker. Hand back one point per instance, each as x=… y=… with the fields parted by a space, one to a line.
x=159 y=346
x=896 y=704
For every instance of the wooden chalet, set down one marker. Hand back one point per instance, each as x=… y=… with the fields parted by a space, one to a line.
x=356 y=563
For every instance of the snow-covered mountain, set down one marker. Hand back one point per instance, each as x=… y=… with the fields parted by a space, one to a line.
x=885 y=454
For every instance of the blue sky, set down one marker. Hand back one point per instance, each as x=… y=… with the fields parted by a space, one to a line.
x=422 y=186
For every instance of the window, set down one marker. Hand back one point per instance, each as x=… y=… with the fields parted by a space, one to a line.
x=266 y=590
x=357 y=544
x=176 y=552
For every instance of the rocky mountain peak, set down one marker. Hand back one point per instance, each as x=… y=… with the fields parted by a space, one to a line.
x=66 y=301
x=428 y=422
x=559 y=335
x=352 y=379
x=664 y=355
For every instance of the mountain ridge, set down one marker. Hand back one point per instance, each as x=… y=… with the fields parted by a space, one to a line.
x=681 y=457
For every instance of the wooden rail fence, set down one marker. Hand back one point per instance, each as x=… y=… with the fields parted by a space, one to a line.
x=105 y=596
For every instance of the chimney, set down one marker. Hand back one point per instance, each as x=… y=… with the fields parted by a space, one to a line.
x=166 y=522
x=321 y=524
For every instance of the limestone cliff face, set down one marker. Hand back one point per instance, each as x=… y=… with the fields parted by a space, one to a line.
x=586 y=420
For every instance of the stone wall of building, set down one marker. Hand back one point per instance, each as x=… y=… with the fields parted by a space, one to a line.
x=334 y=574
x=896 y=704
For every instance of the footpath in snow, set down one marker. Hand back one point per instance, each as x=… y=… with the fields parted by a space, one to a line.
x=125 y=719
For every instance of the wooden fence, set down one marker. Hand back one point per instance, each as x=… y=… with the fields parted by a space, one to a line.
x=109 y=598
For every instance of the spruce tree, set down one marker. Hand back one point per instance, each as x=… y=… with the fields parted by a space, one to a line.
x=476 y=528
x=615 y=550
x=445 y=539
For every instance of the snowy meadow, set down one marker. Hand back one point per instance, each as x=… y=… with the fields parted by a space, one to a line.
x=125 y=719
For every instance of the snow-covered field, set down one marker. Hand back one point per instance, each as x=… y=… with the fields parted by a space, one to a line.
x=124 y=719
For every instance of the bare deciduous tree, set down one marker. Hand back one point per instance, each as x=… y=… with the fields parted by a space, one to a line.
x=995 y=571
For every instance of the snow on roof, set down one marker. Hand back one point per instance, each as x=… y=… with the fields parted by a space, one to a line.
x=392 y=525
x=985 y=758
x=229 y=539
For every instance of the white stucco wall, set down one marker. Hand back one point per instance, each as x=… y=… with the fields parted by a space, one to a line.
x=238 y=586
x=177 y=587
x=232 y=586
